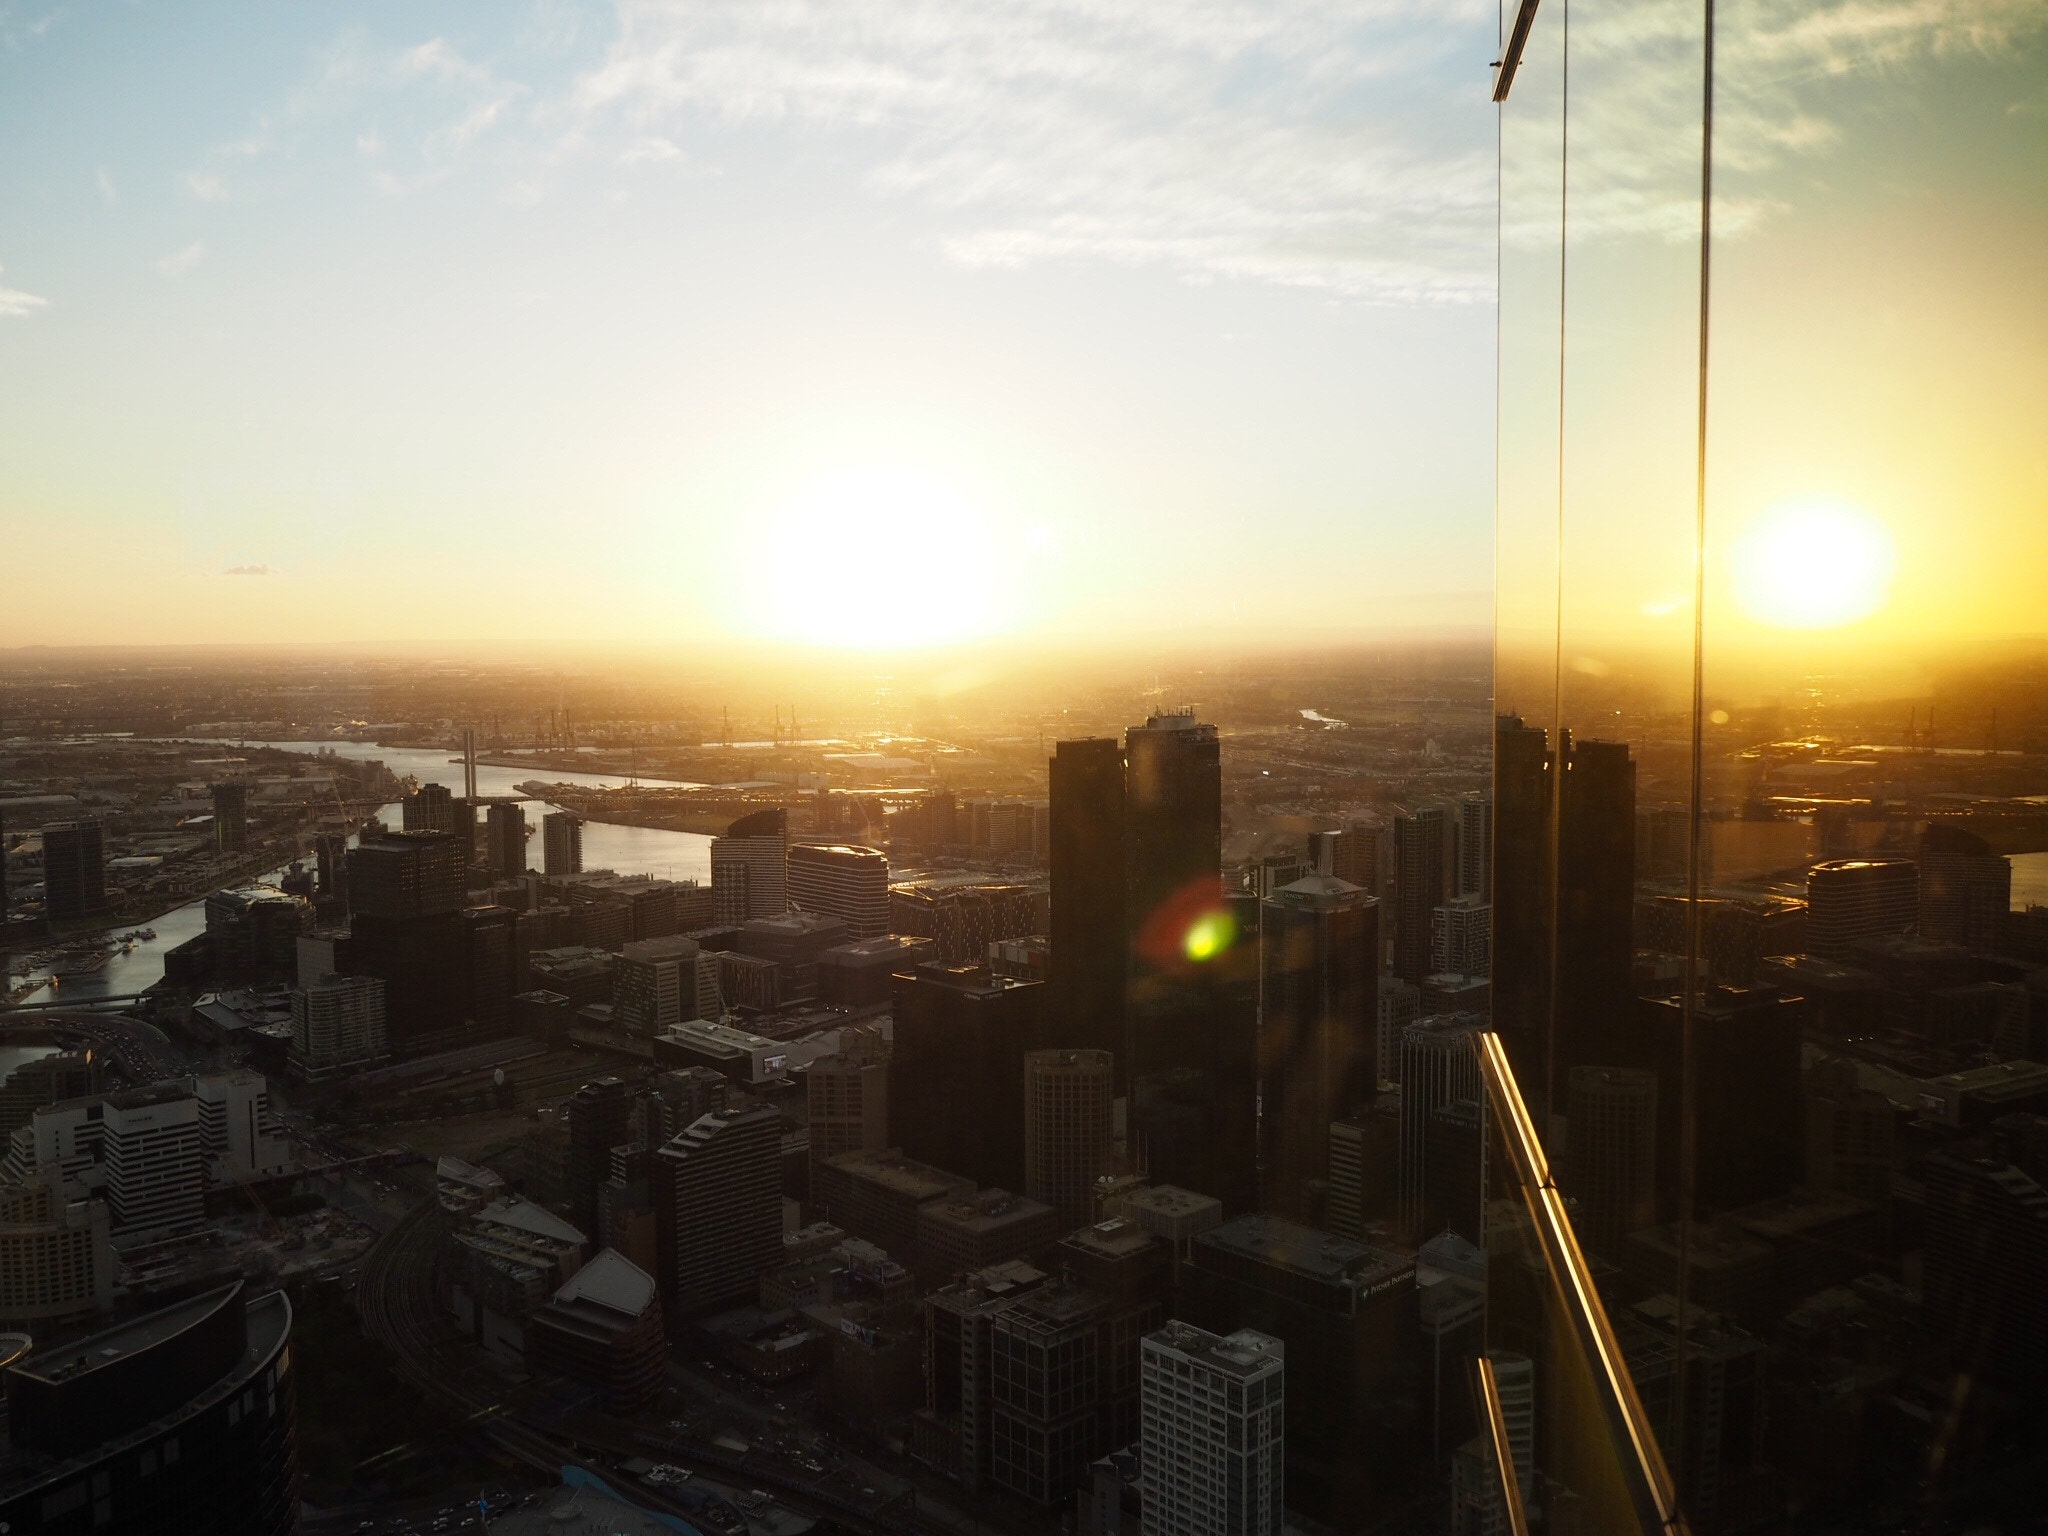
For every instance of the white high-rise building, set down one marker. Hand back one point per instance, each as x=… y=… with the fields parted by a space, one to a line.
x=654 y=981
x=239 y=1135
x=69 y=1135
x=337 y=1023
x=155 y=1159
x=1211 y=1429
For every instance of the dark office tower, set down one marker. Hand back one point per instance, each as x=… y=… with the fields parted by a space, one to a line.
x=1611 y=1154
x=1595 y=903
x=956 y=1080
x=600 y=1117
x=491 y=969
x=406 y=928
x=330 y=854
x=1747 y=1111
x=1851 y=899
x=430 y=808
x=1454 y=1171
x=1090 y=957
x=1418 y=888
x=182 y=1419
x=1986 y=1253
x=230 y=816
x=406 y=875
x=1438 y=1067
x=505 y=841
x=842 y=881
x=561 y=843
x=1068 y=1122
x=1522 y=896
x=717 y=1194
x=749 y=874
x=74 y=870
x=1965 y=888
x=1173 y=870
x=1474 y=873
x=1318 y=1006
x=1851 y=1132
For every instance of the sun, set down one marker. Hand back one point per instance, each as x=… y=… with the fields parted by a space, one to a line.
x=872 y=559
x=1814 y=563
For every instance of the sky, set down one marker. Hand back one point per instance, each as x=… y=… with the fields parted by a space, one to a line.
x=881 y=323
x=857 y=321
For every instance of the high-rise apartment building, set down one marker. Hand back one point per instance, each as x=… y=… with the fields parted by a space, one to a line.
x=847 y=1094
x=55 y=1258
x=230 y=816
x=1213 y=1433
x=749 y=868
x=1461 y=937
x=1090 y=960
x=1851 y=899
x=1400 y=1004
x=842 y=881
x=1438 y=1068
x=74 y=871
x=1473 y=871
x=1351 y=853
x=1418 y=888
x=505 y=841
x=1069 y=1120
x=1318 y=997
x=717 y=1195
x=1611 y=1154
x=430 y=808
x=337 y=1024
x=561 y=835
x=1965 y=888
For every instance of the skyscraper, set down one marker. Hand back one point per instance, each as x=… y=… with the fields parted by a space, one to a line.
x=847 y=1094
x=430 y=808
x=956 y=1080
x=749 y=874
x=505 y=841
x=561 y=843
x=1318 y=1000
x=230 y=816
x=1965 y=888
x=654 y=985
x=1068 y=1123
x=1418 y=888
x=1212 y=1412
x=717 y=1194
x=1438 y=1068
x=1461 y=937
x=1611 y=1154
x=599 y=1116
x=1173 y=843
x=842 y=881
x=74 y=871
x=1851 y=899
x=1474 y=872
x=406 y=928
x=337 y=1023
x=1089 y=934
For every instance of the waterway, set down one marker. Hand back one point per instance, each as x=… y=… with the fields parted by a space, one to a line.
x=2029 y=880
x=629 y=850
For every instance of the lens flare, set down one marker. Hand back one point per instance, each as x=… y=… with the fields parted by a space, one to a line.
x=1209 y=936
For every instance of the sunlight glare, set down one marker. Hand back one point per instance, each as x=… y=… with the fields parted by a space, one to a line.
x=1814 y=563
x=875 y=560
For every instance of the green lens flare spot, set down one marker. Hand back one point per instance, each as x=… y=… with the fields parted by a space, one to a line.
x=1208 y=936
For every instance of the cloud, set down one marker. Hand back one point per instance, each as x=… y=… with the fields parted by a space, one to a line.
x=1327 y=143
x=178 y=263
x=207 y=187
x=246 y=570
x=14 y=303
x=109 y=193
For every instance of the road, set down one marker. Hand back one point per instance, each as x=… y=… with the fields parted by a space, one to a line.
x=143 y=1052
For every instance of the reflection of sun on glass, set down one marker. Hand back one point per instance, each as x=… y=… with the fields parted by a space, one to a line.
x=1208 y=936
x=1814 y=563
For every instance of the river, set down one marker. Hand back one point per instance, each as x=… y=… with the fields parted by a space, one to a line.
x=629 y=850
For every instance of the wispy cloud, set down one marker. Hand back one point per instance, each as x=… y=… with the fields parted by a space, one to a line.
x=109 y=193
x=246 y=570
x=178 y=263
x=207 y=187
x=13 y=302
x=1320 y=142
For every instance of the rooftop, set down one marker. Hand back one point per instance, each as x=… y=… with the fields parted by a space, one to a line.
x=1244 y=1353
x=610 y=1280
